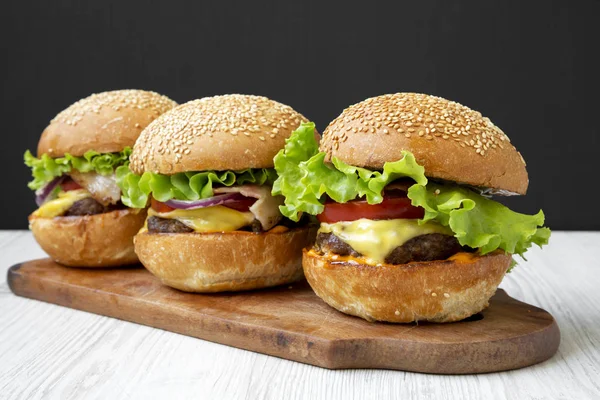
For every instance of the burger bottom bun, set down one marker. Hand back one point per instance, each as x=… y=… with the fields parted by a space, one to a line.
x=224 y=261
x=437 y=291
x=101 y=240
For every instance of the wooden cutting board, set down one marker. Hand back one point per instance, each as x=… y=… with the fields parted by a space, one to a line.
x=292 y=322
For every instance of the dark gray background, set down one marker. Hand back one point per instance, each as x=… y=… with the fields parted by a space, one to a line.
x=531 y=66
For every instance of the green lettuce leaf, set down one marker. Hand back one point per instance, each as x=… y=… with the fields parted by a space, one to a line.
x=477 y=222
x=304 y=177
x=46 y=168
x=136 y=189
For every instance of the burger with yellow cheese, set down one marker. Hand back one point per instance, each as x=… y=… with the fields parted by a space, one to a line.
x=81 y=220
x=402 y=185
x=206 y=170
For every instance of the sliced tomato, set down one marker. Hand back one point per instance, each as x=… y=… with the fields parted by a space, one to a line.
x=69 y=184
x=241 y=205
x=389 y=208
x=160 y=207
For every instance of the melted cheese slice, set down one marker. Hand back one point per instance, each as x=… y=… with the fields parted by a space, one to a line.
x=209 y=219
x=375 y=240
x=64 y=201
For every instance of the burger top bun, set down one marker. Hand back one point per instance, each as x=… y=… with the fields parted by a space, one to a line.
x=450 y=140
x=230 y=132
x=104 y=122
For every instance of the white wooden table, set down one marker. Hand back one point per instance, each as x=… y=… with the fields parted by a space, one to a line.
x=47 y=351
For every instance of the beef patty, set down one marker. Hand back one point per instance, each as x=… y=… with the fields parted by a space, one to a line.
x=429 y=247
x=89 y=206
x=166 y=225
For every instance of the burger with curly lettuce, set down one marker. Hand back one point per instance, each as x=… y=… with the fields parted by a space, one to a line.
x=402 y=185
x=205 y=169
x=81 y=220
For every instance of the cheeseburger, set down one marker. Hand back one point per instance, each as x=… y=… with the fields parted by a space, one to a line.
x=402 y=187
x=81 y=220
x=206 y=169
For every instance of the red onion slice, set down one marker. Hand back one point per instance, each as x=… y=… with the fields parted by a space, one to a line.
x=208 y=202
x=41 y=195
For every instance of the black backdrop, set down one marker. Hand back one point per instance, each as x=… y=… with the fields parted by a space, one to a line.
x=530 y=66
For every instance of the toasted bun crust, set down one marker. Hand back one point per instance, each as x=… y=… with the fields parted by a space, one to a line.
x=437 y=291
x=105 y=122
x=102 y=240
x=450 y=140
x=230 y=132
x=231 y=261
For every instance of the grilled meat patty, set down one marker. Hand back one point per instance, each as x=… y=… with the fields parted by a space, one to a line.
x=89 y=206
x=165 y=225
x=429 y=247
x=433 y=246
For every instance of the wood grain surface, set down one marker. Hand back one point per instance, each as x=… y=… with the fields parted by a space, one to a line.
x=48 y=351
x=293 y=323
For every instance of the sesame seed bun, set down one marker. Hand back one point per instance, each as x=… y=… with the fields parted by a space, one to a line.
x=101 y=240
x=438 y=291
x=105 y=122
x=230 y=132
x=230 y=261
x=450 y=140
